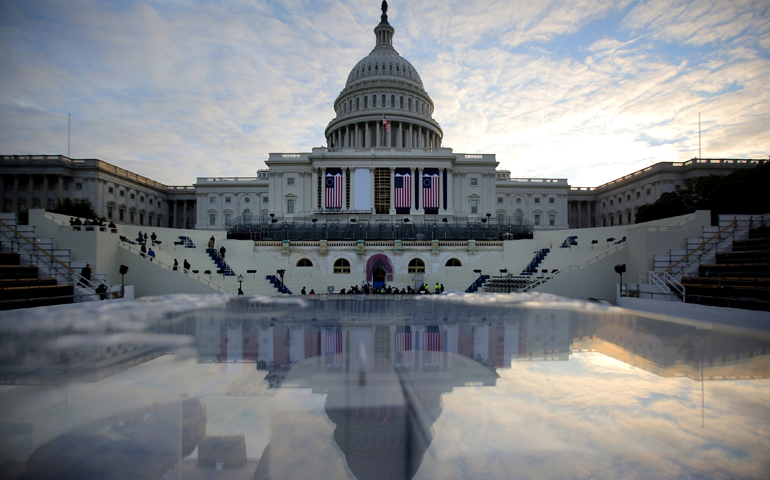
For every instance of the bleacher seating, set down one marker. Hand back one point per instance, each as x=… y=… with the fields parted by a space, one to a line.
x=186 y=241
x=22 y=287
x=738 y=279
x=476 y=285
x=507 y=284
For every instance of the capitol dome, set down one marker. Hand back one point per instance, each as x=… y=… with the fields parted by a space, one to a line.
x=384 y=103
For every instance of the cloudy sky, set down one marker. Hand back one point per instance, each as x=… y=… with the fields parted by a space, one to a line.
x=577 y=89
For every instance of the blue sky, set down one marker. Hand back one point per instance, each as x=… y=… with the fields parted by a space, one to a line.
x=584 y=90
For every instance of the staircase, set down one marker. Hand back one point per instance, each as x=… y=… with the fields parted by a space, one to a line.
x=531 y=267
x=33 y=273
x=277 y=284
x=739 y=278
x=477 y=284
x=221 y=263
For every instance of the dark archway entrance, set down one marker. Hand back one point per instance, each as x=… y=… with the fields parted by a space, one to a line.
x=378 y=277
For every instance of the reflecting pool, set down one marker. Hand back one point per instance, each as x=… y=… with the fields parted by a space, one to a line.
x=363 y=387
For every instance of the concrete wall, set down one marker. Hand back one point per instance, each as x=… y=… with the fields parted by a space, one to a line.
x=149 y=279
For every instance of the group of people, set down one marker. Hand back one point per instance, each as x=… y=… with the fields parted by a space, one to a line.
x=102 y=290
x=212 y=245
x=77 y=223
x=185 y=265
x=368 y=289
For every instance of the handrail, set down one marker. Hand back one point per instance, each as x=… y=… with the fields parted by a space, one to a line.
x=54 y=219
x=718 y=234
x=166 y=266
x=579 y=266
x=16 y=234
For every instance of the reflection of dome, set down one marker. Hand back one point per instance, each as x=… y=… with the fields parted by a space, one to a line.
x=384 y=84
x=384 y=438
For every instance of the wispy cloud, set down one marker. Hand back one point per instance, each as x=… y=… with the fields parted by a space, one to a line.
x=580 y=90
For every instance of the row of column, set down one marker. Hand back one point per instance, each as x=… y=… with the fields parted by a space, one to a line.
x=30 y=184
x=188 y=214
x=407 y=135
x=416 y=186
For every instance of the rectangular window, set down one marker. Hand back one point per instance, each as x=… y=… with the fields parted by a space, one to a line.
x=141 y=198
x=629 y=218
x=212 y=218
x=537 y=219
x=620 y=200
x=474 y=182
x=500 y=219
x=552 y=219
x=628 y=197
x=212 y=199
x=551 y=201
x=109 y=212
x=290 y=181
x=141 y=219
x=159 y=203
x=649 y=191
x=638 y=194
x=474 y=206
x=110 y=190
x=611 y=202
x=131 y=217
x=264 y=199
x=133 y=196
x=228 y=216
x=537 y=200
x=227 y=199
x=499 y=199
x=122 y=215
x=290 y=206
x=78 y=186
x=677 y=187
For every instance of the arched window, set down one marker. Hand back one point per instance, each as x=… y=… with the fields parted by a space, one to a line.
x=401 y=103
x=346 y=108
x=392 y=101
x=416 y=266
x=453 y=262
x=383 y=101
x=374 y=101
x=397 y=69
x=409 y=102
x=358 y=103
x=518 y=217
x=375 y=67
x=304 y=262
x=342 y=266
x=366 y=102
x=247 y=216
x=351 y=106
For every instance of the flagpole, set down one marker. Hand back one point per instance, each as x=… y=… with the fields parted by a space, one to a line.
x=699 y=152
x=69 y=131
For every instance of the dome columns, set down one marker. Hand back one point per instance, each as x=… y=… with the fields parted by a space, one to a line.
x=371 y=133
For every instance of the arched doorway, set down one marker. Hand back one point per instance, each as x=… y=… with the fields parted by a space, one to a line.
x=378 y=277
x=376 y=263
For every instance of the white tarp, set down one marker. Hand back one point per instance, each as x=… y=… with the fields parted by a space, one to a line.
x=362 y=185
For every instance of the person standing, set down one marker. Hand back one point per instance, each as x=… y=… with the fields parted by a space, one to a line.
x=212 y=242
x=176 y=265
x=86 y=274
x=153 y=237
x=186 y=265
x=143 y=249
x=151 y=254
x=304 y=292
x=222 y=251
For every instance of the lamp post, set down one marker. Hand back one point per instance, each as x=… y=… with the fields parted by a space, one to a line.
x=123 y=271
x=620 y=269
x=240 y=284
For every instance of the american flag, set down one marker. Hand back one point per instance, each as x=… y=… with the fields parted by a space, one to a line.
x=432 y=342
x=385 y=122
x=402 y=186
x=430 y=190
x=404 y=347
x=333 y=190
x=333 y=346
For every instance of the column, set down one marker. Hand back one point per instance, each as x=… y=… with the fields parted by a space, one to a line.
x=400 y=139
x=30 y=192
x=415 y=184
x=314 y=190
x=323 y=187
x=367 y=136
x=450 y=191
x=580 y=213
x=15 y=194
x=410 y=136
x=352 y=188
x=344 y=187
x=176 y=218
x=43 y=193
x=60 y=188
x=347 y=136
x=389 y=137
x=371 y=186
x=392 y=200
x=357 y=141
x=378 y=142
x=418 y=187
